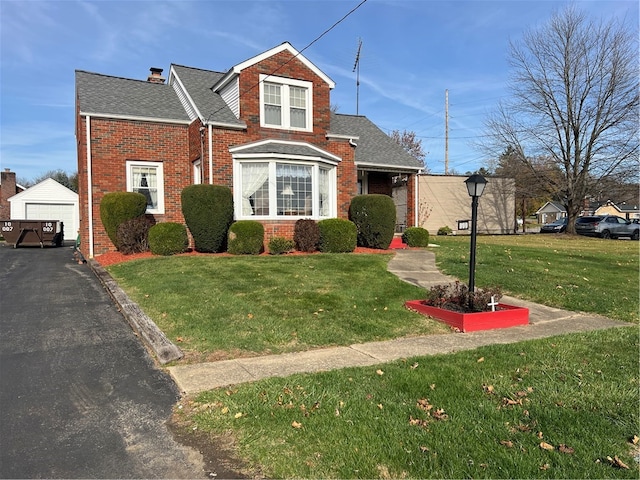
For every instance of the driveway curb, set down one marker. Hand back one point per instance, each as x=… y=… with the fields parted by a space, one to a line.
x=153 y=337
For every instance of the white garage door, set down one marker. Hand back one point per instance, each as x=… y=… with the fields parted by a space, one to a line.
x=47 y=211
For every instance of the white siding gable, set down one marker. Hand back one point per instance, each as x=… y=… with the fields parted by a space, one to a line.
x=231 y=94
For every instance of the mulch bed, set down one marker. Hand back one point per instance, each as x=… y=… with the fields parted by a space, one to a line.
x=111 y=258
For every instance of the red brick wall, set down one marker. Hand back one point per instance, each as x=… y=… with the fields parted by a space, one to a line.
x=113 y=142
x=7 y=190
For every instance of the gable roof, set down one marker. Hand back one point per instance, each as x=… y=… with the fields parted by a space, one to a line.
x=375 y=149
x=551 y=207
x=197 y=84
x=116 y=97
x=49 y=189
x=269 y=53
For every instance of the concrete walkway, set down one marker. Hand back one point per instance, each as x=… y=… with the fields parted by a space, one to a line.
x=413 y=266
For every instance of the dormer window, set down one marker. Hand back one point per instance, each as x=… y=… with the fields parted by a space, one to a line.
x=286 y=103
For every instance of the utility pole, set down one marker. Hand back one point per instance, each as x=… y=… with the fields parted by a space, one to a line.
x=356 y=68
x=446 y=132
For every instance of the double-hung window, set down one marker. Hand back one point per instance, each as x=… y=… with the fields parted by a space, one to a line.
x=147 y=178
x=286 y=103
x=272 y=189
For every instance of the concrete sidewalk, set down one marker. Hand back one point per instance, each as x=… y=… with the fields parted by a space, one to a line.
x=413 y=266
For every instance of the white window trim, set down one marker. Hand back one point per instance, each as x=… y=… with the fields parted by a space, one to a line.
x=159 y=172
x=285 y=83
x=316 y=166
x=197 y=172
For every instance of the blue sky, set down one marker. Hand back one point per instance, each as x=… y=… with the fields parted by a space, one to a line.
x=412 y=51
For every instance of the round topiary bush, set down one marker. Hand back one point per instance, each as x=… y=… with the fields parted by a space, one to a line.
x=444 y=231
x=337 y=235
x=306 y=235
x=208 y=212
x=416 y=237
x=133 y=235
x=375 y=219
x=280 y=245
x=117 y=207
x=246 y=237
x=168 y=238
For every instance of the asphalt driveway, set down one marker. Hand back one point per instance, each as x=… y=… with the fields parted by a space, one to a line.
x=79 y=395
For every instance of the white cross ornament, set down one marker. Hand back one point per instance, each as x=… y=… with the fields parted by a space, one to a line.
x=493 y=303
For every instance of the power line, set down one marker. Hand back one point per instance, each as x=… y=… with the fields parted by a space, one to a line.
x=240 y=94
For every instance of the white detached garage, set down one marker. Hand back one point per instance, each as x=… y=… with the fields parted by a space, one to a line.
x=48 y=200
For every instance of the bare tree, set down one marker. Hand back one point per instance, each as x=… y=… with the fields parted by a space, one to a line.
x=68 y=180
x=575 y=102
x=411 y=144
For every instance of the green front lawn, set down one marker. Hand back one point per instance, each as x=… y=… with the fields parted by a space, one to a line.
x=223 y=307
x=565 y=407
x=574 y=273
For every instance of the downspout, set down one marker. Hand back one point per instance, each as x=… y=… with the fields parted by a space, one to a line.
x=89 y=183
x=416 y=198
x=210 y=154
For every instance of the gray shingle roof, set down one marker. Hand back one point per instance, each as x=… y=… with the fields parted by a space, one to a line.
x=375 y=148
x=198 y=84
x=287 y=149
x=106 y=95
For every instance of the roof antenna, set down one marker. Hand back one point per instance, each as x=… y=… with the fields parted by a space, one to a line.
x=356 y=68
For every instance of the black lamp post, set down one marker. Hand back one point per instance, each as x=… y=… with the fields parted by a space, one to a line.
x=475 y=187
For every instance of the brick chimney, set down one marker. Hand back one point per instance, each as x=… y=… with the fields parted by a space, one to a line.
x=155 y=76
x=7 y=189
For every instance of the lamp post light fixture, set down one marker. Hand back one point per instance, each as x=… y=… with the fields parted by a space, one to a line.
x=475 y=187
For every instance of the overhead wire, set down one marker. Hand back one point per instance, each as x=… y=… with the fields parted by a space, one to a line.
x=249 y=89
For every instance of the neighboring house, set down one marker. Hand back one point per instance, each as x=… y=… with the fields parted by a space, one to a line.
x=443 y=201
x=264 y=128
x=48 y=200
x=550 y=212
x=624 y=210
x=8 y=188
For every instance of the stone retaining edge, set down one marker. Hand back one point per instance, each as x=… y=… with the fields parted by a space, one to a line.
x=140 y=323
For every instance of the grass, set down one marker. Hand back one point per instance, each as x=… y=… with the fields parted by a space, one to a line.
x=486 y=413
x=221 y=307
x=477 y=414
x=573 y=273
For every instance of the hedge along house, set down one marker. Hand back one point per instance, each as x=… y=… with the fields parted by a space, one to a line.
x=264 y=128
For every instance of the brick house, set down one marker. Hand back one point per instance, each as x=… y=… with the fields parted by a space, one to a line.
x=264 y=128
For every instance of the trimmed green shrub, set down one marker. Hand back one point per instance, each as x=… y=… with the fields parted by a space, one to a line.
x=168 y=238
x=337 y=235
x=246 y=237
x=117 y=207
x=280 y=245
x=306 y=235
x=133 y=235
x=208 y=212
x=416 y=237
x=375 y=219
x=444 y=231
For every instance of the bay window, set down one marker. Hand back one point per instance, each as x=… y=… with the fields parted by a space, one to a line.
x=273 y=189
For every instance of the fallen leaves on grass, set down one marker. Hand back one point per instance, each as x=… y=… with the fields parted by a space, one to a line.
x=296 y=425
x=547 y=446
x=506 y=443
x=566 y=449
x=425 y=406
x=616 y=462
